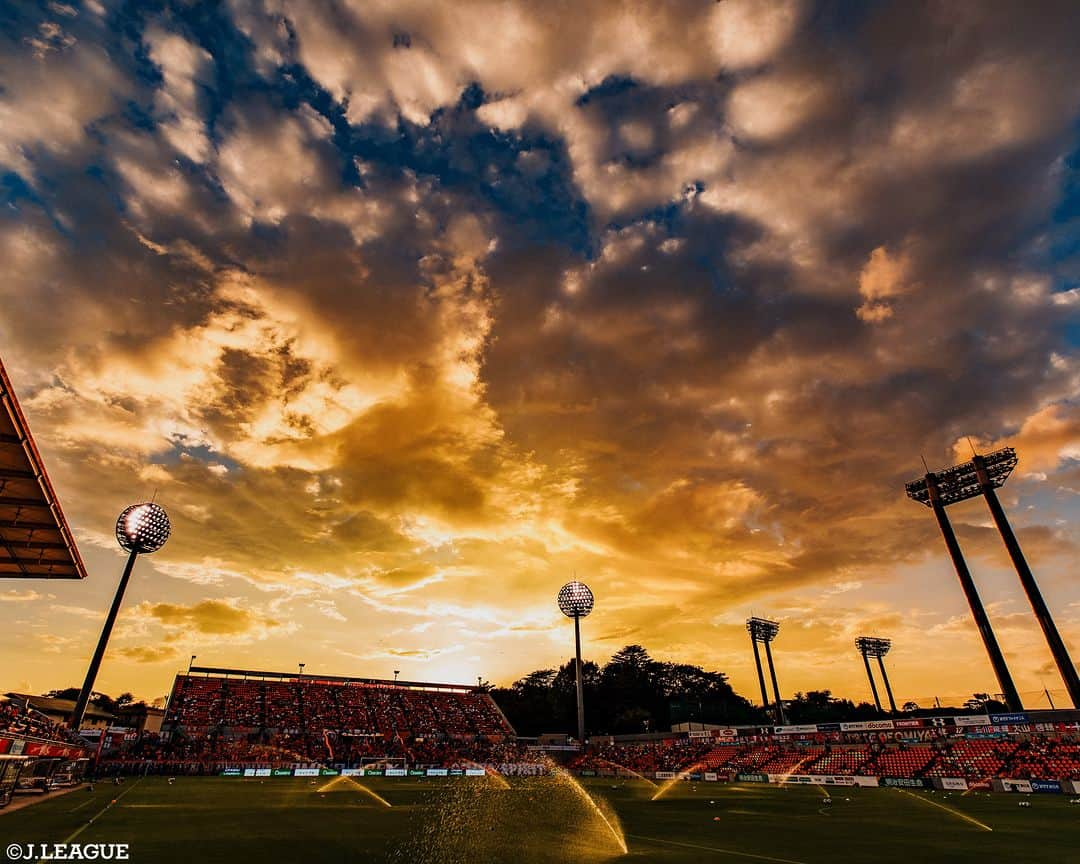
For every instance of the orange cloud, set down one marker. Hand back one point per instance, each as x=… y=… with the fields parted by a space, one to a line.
x=508 y=301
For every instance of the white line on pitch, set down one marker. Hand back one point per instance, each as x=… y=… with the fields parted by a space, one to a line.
x=714 y=849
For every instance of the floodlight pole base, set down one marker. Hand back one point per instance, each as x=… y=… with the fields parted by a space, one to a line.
x=95 y=663
x=580 y=688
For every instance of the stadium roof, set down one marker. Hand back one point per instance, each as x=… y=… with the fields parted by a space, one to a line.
x=35 y=541
x=311 y=678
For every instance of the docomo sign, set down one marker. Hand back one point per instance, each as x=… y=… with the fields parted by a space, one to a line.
x=867 y=726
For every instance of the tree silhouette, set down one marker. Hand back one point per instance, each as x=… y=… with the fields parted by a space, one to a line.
x=632 y=692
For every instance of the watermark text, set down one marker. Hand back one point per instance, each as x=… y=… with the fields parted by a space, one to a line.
x=68 y=852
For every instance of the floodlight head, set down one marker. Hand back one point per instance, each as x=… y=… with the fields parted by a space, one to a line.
x=762 y=629
x=961 y=482
x=142 y=528
x=873 y=646
x=575 y=599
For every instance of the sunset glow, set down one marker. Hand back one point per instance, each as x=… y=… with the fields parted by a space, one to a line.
x=409 y=314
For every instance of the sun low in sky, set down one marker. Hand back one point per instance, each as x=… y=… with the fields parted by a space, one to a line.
x=407 y=312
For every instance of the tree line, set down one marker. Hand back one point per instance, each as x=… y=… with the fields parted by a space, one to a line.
x=630 y=693
x=634 y=693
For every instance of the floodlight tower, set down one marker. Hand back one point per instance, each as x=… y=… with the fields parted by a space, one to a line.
x=752 y=629
x=141 y=528
x=872 y=646
x=764 y=631
x=936 y=491
x=576 y=601
x=981 y=476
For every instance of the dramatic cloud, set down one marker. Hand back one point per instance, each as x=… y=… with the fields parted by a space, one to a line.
x=408 y=311
x=57 y=80
x=210 y=616
x=882 y=278
x=185 y=69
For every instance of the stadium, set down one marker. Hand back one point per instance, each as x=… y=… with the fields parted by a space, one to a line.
x=491 y=431
x=320 y=766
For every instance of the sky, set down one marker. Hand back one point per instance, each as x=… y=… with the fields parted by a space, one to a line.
x=409 y=312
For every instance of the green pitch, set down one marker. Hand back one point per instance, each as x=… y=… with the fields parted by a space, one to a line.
x=204 y=820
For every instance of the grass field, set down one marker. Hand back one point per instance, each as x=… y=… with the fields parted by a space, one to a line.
x=544 y=820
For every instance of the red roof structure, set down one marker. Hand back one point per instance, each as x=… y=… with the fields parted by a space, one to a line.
x=35 y=541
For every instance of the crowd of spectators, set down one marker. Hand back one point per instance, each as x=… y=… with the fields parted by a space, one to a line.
x=217 y=721
x=210 y=754
x=24 y=722
x=1051 y=758
x=672 y=754
x=1040 y=757
x=311 y=708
